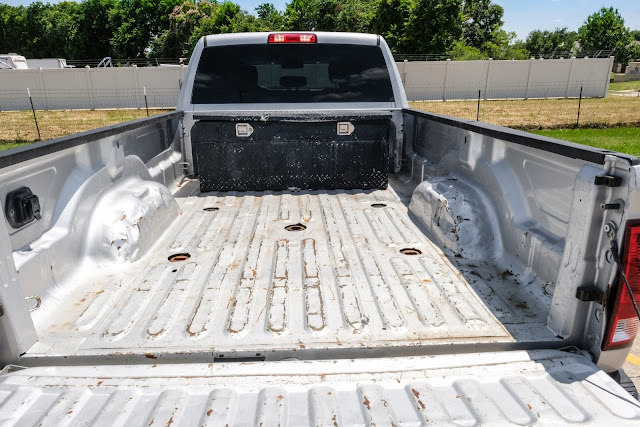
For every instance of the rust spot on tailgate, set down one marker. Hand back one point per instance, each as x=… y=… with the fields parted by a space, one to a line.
x=367 y=403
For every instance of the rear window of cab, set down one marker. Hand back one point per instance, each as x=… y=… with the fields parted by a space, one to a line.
x=291 y=73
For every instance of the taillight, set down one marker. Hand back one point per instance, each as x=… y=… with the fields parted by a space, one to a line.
x=292 y=38
x=623 y=327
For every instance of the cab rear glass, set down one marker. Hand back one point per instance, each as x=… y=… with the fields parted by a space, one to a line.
x=291 y=73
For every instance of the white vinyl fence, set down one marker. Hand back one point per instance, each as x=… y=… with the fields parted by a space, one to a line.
x=535 y=78
x=124 y=87
x=91 y=88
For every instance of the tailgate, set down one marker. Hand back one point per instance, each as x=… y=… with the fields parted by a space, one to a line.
x=467 y=389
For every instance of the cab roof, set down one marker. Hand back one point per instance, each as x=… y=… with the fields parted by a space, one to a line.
x=322 y=37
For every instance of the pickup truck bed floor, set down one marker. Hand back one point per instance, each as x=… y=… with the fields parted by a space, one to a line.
x=254 y=287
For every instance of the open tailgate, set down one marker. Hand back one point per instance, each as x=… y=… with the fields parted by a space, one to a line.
x=547 y=387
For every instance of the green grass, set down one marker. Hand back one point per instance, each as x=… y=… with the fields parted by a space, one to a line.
x=10 y=145
x=635 y=85
x=18 y=127
x=623 y=139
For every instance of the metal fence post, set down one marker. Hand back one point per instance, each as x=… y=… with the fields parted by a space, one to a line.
x=478 y=112
x=579 y=105
x=146 y=104
x=33 y=110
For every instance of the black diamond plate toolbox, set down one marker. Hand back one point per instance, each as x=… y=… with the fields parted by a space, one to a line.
x=253 y=155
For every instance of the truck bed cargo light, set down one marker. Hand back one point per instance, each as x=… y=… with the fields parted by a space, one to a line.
x=292 y=38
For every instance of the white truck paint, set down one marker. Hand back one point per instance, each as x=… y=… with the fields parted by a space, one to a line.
x=449 y=296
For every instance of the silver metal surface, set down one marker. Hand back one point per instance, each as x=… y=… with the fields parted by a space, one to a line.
x=540 y=387
x=250 y=286
x=486 y=194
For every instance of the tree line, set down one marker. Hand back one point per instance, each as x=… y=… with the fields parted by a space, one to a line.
x=460 y=29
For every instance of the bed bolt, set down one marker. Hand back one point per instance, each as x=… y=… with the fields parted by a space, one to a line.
x=610 y=227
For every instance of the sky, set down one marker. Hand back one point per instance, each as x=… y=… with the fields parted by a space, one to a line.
x=524 y=16
x=520 y=16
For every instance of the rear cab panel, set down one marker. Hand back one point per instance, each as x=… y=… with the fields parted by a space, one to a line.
x=325 y=92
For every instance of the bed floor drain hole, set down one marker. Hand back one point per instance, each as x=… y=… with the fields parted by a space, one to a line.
x=179 y=257
x=295 y=227
x=33 y=302
x=211 y=209
x=410 y=251
x=378 y=205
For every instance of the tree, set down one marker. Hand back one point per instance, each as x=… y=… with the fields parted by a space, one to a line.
x=12 y=22
x=190 y=21
x=605 y=30
x=269 y=18
x=434 y=26
x=480 y=20
x=59 y=31
x=301 y=15
x=559 y=40
x=391 y=19
x=183 y=21
x=462 y=52
x=32 y=37
x=343 y=15
x=636 y=35
x=94 y=31
x=65 y=30
x=505 y=46
x=137 y=23
x=227 y=18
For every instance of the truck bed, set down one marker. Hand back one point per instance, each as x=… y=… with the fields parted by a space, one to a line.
x=252 y=289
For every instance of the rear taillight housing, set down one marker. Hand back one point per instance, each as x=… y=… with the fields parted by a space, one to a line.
x=292 y=38
x=623 y=324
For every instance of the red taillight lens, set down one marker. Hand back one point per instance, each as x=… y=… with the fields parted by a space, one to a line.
x=623 y=327
x=292 y=38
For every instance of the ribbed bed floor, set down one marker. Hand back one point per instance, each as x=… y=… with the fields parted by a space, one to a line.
x=253 y=289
